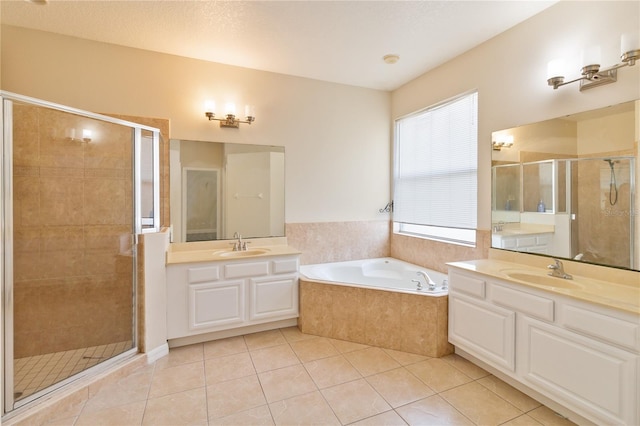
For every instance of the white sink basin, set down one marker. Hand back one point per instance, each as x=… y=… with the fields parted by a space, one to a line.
x=544 y=280
x=244 y=253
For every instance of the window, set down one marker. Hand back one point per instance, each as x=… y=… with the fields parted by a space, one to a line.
x=435 y=171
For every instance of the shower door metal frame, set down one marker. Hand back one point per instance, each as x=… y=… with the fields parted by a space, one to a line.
x=9 y=404
x=7 y=254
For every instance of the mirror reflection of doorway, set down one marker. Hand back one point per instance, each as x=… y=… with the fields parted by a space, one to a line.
x=200 y=192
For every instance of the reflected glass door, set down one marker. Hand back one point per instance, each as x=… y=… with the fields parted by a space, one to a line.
x=73 y=259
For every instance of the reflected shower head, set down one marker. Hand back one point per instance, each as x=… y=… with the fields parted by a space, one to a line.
x=611 y=162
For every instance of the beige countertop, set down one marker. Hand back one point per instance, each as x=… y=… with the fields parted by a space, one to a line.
x=510 y=229
x=212 y=251
x=621 y=294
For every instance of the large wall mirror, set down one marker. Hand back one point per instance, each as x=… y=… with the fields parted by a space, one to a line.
x=218 y=189
x=567 y=187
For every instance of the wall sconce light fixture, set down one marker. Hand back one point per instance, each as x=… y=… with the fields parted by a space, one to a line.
x=591 y=74
x=230 y=119
x=502 y=141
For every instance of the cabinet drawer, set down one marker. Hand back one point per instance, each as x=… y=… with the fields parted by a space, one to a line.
x=284 y=266
x=602 y=326
x=531 y=305
x=249 y=269
x=467 y=285
x=543 y=240
x=509 y=243
x=527 y=241
x=204 y=274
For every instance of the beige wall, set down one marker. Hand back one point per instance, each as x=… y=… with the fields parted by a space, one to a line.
x=509 y=72
x=336 y=137
x=617 y=130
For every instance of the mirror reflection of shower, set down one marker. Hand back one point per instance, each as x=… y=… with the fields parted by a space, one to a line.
x=588 y=211
x=604 y=224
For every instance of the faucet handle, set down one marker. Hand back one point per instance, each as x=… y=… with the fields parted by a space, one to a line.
x=556 y=265
x=419 y=284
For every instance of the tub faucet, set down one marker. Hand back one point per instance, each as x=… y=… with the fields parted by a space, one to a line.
x=428 y=280
x=557 y=270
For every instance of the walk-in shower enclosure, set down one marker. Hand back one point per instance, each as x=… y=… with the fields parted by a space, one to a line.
x=78 y=188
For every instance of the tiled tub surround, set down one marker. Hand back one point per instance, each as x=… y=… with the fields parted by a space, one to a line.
x=435 y=254
x=322 y=242
x=414 y=323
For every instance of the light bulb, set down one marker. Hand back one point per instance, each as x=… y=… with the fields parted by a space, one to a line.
x=629 y=42
x=230 y=108
x=591 y=56
x=555 y=68
x=209 y=106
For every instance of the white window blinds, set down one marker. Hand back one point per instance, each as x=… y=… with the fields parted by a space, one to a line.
x=436 y=165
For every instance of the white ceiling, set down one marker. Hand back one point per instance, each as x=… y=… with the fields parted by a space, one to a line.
x=337 y=41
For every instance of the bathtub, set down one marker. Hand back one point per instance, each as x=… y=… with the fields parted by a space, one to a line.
x=383 y=273
x=375 y=302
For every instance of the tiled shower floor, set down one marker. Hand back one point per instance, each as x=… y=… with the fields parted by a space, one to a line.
x=34 y=373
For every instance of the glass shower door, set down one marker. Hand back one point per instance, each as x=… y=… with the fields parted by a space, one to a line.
x=73 y=259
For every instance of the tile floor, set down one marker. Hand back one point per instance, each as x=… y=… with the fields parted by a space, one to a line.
x=34 y=373
x=284 y=377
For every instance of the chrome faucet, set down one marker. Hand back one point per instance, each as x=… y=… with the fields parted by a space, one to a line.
x=557 y=270
x=239 y=245
x=428 y=280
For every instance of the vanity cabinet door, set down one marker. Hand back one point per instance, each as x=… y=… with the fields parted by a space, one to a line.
x=483 y=330
x=216 y=304
x=273 y=297
x=591 y=378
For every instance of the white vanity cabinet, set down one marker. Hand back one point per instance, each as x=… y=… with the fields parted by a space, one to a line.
x=531 y=243
x=484 y=328
x=583 y=356
x=207 y=297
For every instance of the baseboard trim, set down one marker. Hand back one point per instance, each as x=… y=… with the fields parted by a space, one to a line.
x=216 y=335
x=155 y=354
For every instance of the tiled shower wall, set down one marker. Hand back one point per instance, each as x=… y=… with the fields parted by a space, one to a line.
x=72 y=228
